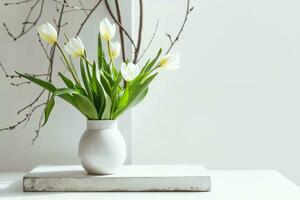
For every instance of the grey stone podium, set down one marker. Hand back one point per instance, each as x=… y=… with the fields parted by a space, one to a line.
x=133 y=178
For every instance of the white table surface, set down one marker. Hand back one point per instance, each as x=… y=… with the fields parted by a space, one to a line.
x=226 y=185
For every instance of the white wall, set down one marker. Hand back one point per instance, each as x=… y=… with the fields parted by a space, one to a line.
x=234 y=104
x=58 y=141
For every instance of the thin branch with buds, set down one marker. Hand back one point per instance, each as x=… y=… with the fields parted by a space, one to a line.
x=88 y=16
x=121 y=32
x=26 y=29
x=173 y=42
x=150 y=42
x=17 y=2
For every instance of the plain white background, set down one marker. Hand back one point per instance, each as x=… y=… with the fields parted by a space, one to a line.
x=234 y=104
x=59 y=139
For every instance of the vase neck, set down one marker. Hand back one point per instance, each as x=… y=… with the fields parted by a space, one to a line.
x=101 y=124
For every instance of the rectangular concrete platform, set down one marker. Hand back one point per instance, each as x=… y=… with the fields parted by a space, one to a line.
x=134 y=178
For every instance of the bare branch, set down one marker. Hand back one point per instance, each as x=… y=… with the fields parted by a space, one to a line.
x=150 y=42
x=172 y=42
x=26 y=29
x=32 y=103
x=9 y=128
x=88 y=16
x=21 y=83
x=140 y=31
x=121 y=32
x=44 y=48
x=85 y=10
x=76 y=10
x=37 y=131
x=29 y=114
x=18 y=76
x=67 y=4
x=17 y=2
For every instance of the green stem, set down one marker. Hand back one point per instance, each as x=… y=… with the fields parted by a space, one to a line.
x=110 y=57
x=154 y=68
x=68 y=64
x=89 y=62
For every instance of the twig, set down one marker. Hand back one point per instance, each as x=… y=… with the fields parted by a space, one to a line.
x=140 y=31
x=172 y=42
x=67 y=4
x=21 y=83
x=32 y=103
x=121 y=32
x=29 y=114
x=76 y=10
x=27 y=22
x=18 y=76
x=85 y=10
x=37 y=131
x=17 y=2
x=9 y=128
x=88 y=16
x=44 y=48
x=150 y=42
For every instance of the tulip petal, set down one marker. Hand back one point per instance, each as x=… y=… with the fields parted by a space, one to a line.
x=48 y=33
x=129 y=71
x=107 y=30
x=75 y=47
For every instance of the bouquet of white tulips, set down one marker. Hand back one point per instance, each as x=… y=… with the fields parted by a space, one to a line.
x=102 y=90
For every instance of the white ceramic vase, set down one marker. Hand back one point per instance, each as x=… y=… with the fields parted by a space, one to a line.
x=102 y=149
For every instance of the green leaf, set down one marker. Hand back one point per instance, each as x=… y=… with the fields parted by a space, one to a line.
x=44 y=84
x=87 y=66
x=100 y=52
x=66 y=80
x=114 y=98
x=81 y=90
x=133 y=95
x=102 y=64
x=140 y=97
x=94 y=74
x=105 y=83
x=68 y=98
x=101 y=100
x=148 y=67
x=108 y=77
x=85 y=106
x=73 y=66
x=107 y=109
x=85 y=80
x=62 y=91
x=48 y=109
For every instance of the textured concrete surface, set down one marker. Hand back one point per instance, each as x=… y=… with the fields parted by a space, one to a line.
x=128 y=178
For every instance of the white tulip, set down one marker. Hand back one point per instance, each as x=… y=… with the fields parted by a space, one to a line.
x=48 y=33
x=170 y=62
x=75 y=47
x=129 y=71
x=115 y=48
x=107 y=30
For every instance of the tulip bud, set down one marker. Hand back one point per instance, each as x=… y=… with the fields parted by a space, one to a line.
x=115 y=48
x=107 y=30
x=129 y=71
x=48 y=33
x=75 y=47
